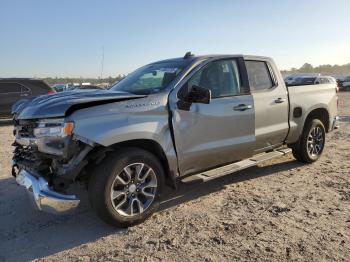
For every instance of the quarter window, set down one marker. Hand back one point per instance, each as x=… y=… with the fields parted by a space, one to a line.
x=220 y=77
x=259 y=75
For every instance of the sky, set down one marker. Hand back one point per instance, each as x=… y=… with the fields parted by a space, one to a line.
x=66 y=38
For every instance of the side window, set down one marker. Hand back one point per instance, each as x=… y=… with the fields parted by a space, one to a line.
x=259 y=75
x=221 y=77
x=6 y=88
x=323 y=80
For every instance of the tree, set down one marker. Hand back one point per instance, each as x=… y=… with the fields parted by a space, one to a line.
x=306 y=68
x=321 y=69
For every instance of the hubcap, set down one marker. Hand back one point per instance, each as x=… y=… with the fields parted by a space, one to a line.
x=315 y=141
x=133 y=189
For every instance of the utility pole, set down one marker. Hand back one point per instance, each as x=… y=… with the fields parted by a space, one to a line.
x=102 y=62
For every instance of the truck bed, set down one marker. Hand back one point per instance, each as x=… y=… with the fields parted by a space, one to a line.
x=308 y=98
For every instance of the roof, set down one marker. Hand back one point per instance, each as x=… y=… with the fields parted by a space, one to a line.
x=215 y=56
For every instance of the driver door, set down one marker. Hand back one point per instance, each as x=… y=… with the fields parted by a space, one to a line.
x=218 y=133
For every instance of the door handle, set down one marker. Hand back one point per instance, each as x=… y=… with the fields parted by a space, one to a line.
x=242 y=107
x=280 y=100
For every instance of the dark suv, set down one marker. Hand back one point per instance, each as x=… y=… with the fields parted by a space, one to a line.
x=14 y=89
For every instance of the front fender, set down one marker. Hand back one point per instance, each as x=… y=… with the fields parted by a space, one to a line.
x=118 y=122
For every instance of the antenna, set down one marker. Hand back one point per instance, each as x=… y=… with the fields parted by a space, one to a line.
x=102 y=62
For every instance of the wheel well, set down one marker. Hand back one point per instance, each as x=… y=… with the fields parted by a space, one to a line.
x=321 y=114
x=152 y=147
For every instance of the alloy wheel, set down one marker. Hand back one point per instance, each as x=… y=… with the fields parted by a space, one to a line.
x=315 y=141
x=133 y=189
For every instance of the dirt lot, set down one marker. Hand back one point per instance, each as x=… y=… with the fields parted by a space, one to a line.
x=280 y=211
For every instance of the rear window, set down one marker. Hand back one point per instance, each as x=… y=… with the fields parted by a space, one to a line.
x=259 y=75
x=41 y=84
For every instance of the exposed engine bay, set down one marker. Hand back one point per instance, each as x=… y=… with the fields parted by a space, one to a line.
x=47 y=148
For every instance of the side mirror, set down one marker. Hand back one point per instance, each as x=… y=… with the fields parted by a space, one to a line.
x=197 y=94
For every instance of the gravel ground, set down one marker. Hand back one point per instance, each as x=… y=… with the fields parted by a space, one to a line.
x=279 y=211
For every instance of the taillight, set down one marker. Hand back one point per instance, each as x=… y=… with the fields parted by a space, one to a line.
x=51 y=92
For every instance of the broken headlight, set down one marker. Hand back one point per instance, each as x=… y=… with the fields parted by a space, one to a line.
x=53 y=128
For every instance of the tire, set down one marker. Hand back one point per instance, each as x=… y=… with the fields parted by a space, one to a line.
x=116 y=193
x=311 y=143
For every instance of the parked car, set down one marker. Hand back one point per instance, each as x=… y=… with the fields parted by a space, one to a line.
x=199 y=116
x=312 y=80
x=345 y=85
x=14 y=89
x=60 y=87
x=290 y=79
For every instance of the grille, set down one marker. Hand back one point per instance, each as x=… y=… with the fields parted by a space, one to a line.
x=26 y=153
x=26 y=129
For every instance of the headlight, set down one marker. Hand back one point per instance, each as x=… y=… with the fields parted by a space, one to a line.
x=53 y=128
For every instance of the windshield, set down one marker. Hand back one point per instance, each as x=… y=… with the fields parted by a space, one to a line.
x=150 y=79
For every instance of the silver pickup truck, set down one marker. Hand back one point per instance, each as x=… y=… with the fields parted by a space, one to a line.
x=202 y=116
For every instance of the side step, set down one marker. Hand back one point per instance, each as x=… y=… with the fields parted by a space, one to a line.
x=231 y=168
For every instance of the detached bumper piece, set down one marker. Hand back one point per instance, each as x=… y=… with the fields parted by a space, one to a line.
x=43 y=197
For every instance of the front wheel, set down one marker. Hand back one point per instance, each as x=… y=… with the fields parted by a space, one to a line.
x=126 y=187
x=311 y=143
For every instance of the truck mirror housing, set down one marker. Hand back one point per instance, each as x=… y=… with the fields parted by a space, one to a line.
x=199 y=94
x=196 y=94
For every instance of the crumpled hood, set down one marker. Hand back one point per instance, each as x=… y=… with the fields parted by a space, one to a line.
x=58 y=105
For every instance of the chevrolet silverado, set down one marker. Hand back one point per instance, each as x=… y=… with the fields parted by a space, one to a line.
x=194 y=116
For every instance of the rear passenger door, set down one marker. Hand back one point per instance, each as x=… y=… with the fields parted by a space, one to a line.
x=271 y=105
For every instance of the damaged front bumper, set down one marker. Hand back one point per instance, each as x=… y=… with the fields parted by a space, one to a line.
x=43 y=197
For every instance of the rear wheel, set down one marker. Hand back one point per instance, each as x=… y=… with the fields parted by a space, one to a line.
x=311 y=143
x=126 y=187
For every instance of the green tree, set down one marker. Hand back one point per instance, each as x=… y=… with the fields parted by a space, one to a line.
x=306 y=68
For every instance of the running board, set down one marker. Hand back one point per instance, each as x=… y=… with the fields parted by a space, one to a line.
x=231 y=168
